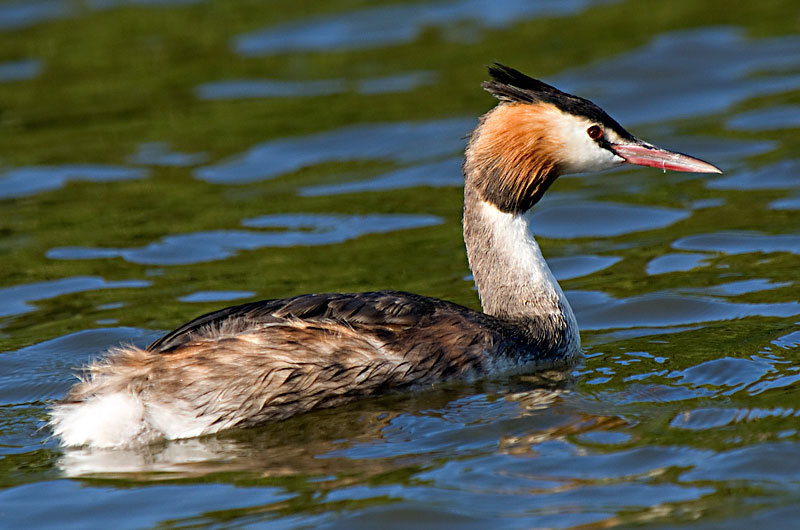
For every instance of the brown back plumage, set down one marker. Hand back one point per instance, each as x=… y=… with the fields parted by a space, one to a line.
x=272 y=359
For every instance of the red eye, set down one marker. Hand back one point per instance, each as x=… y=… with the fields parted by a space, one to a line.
x=594 y=132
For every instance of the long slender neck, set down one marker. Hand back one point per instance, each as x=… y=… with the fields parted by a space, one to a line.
x=514 y=282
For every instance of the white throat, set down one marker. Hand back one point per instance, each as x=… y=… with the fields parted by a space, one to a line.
x=513 y=279
x=516 y=244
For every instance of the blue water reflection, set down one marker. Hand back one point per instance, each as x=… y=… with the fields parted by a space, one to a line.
x=788 y=341
x=770 y=118
x=401 y=142
x=68 y=499
x=713 y=417
x=108 y=4
x=269 y=88
x=789 y=203
x=597 y=310
x=23 y=381
x=727 y=374
x=25 y=13
x=20 y=14
x=740 y=242
x=216 y=296
x=683 y=413
x=446 y=173
x=20 y=70
x=753 y=464
x=382 y=26
x=16 y=299
x=579 y=219
x=752 y=285
x=780 y=175
x=211 y=245
x=160 y=154
x=568 y=267
x=671 y=77
x=24 y=181
x=273 y=88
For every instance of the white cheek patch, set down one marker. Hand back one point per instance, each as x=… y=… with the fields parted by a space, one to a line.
x=582 y=154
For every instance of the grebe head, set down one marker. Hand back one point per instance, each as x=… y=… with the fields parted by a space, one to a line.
x=538 y=132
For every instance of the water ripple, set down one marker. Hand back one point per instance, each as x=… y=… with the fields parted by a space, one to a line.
x=596 y=310
x=23 y=14
x=30 y=180
x=16 y=299
x=272 y=88
x=382 y=26
x=767 y=119
x=727 y=373
x=446 y=173
x=669 y=78
x=715 y=417
x=23 y=381
x=791 y=340
x=788 y=203
x=159 y=154
x=401 y=142
x=216 y=296
x=20 y=70
x=303 y=230
x=568 y=267
x=109 y=4
x=780 y=175
x=771 y=383
x=562 y=460
x=752 y=285
x=579 y=219
x=505 y=484
x=675 y=263
x=770 y=462
x=740 y=242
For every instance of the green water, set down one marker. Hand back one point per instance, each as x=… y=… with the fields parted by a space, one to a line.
x=116 y=142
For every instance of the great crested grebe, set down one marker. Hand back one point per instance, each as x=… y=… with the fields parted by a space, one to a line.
x=269 y=360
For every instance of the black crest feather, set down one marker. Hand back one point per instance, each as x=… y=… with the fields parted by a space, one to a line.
x=512 y=86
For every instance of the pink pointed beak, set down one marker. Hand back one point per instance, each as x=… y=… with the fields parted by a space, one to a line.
x=642 y=154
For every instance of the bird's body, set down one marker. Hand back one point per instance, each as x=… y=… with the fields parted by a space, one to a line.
x=273 y=359
x=269 y=360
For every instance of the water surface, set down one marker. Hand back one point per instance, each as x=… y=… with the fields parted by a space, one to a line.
x=164 y=158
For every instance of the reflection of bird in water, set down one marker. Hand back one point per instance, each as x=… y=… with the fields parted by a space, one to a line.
x=331 y=443
x=269 y=360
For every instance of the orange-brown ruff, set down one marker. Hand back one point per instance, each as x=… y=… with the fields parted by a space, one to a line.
x=269 y=360
x=514 y=154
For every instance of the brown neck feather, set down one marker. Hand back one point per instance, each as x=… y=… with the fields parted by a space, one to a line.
x=511 y=158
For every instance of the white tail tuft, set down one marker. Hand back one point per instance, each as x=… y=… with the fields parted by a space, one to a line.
x=110 y=420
